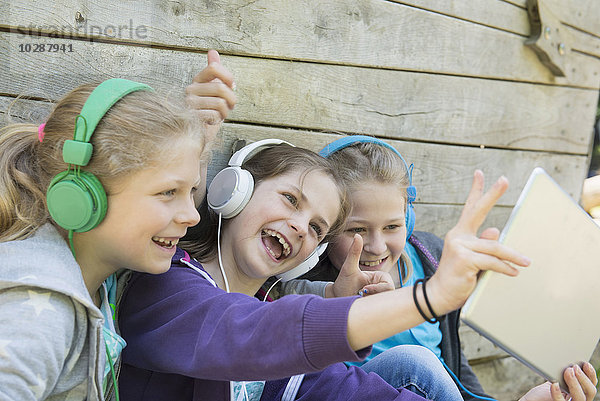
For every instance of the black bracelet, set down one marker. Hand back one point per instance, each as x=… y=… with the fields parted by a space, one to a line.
x=417 y=302
x=435 y=318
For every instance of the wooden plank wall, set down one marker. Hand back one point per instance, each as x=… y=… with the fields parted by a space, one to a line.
x=449 y=83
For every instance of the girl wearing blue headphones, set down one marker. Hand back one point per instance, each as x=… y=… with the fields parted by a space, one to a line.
x=89 y=193
x=381 y=195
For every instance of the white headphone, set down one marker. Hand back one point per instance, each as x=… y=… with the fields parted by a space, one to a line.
x=232 y=187
x=231 y=190
x=305 y=266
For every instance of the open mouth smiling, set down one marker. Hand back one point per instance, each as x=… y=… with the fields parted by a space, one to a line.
x=165 y=243
x=367 y=265
x=276 y=244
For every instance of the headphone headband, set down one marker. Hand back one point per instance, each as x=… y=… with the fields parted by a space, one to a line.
x=353 y=139
x=239 y=157
x=78 y=150
x=411 y=191
x=350 y=140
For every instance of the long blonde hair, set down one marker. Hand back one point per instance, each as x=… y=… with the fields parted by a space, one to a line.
x=365 y=161
x=134 y=133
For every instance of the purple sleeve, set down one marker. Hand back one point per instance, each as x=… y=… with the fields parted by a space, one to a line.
x=338 y=383
x=177 y=322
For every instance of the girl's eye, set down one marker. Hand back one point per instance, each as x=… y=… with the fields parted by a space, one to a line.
x=170 y=192
x=356 y=230
x=392 y=227
x=317 y=229
x=292 y=199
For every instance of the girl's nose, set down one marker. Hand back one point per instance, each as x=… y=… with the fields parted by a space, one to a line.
x=374 y=243
x=298 y=226
x=188 y=215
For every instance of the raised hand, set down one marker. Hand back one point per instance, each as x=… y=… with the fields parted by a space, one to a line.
x=211 y=91
x=581 y=381
x=465 y=254
x=351 y=280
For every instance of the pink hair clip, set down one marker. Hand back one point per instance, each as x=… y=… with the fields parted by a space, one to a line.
x=41 y=132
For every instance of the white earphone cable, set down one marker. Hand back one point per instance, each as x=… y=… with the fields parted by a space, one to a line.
x=219 y=254
x=245 y=391
x=270 y=288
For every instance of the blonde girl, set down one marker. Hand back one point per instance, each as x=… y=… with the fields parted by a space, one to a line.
x=106 y=183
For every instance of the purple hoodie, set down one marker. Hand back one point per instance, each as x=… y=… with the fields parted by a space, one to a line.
x=187 y=338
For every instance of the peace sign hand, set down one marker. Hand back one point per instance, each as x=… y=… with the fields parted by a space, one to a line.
x=465 y=255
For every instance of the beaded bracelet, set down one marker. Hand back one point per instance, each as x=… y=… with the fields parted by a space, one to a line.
x=435 y=318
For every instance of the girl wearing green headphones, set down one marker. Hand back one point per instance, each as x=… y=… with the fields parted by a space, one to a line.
x=87 y=194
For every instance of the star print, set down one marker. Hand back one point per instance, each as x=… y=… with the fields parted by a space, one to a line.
x=38 y=389
x=78 y=393
x=71 y=362
x=28 y=278
x=3 y=351
x=40 y=301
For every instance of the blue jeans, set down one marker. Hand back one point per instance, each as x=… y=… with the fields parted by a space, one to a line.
x=416 y=369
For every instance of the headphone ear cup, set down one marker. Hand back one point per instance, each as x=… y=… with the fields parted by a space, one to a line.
x=76 y=202
x=410 y=219
x=230 y=191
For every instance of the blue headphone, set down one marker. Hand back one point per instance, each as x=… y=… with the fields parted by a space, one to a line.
x=411 y=190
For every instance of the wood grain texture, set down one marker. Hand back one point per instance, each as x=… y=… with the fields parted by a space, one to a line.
x=583 y=32
x=437 y=78
x=23 y=111
x=477 y=348
x=441 y=176
x=506 y=378
x=373 y=33
x=583 y=14
x=393 y=104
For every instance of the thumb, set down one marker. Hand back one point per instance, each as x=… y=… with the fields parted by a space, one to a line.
x=350 y=265
x=213 y=57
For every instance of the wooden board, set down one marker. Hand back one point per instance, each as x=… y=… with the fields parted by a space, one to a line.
x=579 y=18
x=23 y=111
x=437 y=78
x=441 y=176
x=393 y=104
x=364 y=33
x=439 y=199
x=506 y=378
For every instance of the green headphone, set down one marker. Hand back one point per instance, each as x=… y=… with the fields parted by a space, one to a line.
x=76 y=199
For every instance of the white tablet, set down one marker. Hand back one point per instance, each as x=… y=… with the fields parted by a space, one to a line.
x=548 y=317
